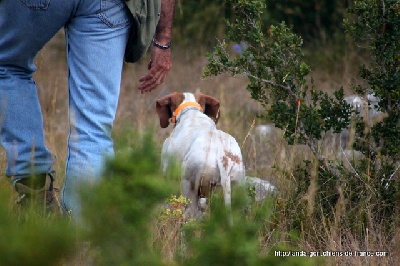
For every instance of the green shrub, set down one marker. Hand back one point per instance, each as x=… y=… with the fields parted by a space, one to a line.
x=376 y=27
x=273 y=63
x=337 y=197
x=29 y=238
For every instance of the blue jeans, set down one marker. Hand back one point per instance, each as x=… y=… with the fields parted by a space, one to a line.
x=96 y=36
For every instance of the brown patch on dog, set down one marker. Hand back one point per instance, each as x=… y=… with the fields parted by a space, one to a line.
x=176 y=99
x=166 y=105
x=229 y=155
x=209 y=104
x=233 y=157
x=225 y=162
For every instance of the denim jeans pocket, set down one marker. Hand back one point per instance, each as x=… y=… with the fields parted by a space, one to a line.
x=36 y=4
x=114 y=13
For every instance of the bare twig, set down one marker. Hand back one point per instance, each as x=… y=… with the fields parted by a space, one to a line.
x=248 y=133
x=246 y=74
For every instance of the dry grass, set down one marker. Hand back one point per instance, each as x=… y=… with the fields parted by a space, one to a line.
x=265 y=155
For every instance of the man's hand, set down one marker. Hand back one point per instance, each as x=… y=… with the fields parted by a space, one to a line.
x=160 y=63
x=159 y=66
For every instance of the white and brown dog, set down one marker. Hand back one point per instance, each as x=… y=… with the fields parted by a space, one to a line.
x=208 y=157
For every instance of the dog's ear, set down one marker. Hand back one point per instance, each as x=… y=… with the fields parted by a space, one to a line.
x=166 y=105
x=210 y=106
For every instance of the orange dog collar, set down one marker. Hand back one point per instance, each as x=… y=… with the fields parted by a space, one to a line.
x=183 y=106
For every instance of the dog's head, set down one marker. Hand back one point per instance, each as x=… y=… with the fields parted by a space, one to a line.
x=167 y=105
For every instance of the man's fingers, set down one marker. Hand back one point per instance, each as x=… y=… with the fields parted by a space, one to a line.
x=150 y=84
x=151 y=80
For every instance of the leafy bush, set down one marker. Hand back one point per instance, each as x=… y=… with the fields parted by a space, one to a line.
x=272 y=62
x=328 y=196
x=376 y=27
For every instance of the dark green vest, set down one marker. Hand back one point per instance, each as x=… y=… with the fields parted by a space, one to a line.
x=146 y=14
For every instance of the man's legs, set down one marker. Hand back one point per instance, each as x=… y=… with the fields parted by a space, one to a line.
x=26 y=26
x=96 y=38
x=97 y=32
